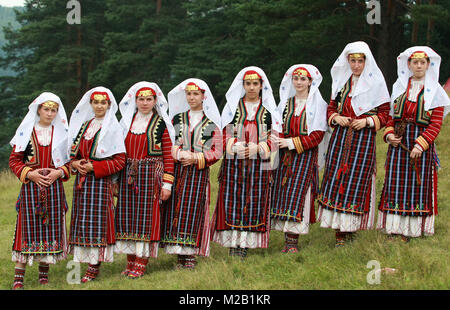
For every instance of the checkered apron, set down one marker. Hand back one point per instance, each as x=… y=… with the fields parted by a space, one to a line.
x=401 y=192
x=292 y=179
x=349 y=166
x=31 y=235
x=184 y=213
x=92 y=222
x=138 y=206
x=244 y=195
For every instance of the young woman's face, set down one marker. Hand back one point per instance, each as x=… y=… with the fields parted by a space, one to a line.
x=145 y=103
x=252 y=89
x=100 y=107
x=195 y=99
x=47 y=115
x=418 y=67
x=301 y=83
x=357 y=65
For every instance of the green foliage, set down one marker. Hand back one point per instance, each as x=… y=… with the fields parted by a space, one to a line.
x=120 y=43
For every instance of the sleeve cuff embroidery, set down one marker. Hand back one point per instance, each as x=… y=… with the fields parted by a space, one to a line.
x=201 y=160
x=376 y=122
x=298 y=145
x=168 y=178
x=23 y=175
x=422 y=142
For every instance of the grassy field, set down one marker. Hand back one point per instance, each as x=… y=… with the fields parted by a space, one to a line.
x=422 y=264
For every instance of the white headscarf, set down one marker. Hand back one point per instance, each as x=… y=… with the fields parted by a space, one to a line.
x=371 y=90
x=178 y=102
x=316 y=107
x=128 y=107
x=434 y=95
x=237 y=91
x=111 y=139
x=60 y=141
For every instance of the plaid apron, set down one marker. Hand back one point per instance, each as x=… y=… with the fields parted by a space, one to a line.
x=244 y=195
x=292 y=179
x=401 y=192
x=138 y=207
x=32 y=236
x=184 y=212
x=349 y=166
x=92 y=222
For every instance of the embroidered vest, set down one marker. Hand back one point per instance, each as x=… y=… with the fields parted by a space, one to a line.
x=76 y=143
x=288 y=114
x=422 y=117
x=263 y=122
x=31 y=154
x=155 y=130
x=200 y=139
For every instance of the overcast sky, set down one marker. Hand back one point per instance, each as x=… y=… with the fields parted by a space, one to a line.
x=12 y=2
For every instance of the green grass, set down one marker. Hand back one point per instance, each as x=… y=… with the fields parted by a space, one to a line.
x=422 y=264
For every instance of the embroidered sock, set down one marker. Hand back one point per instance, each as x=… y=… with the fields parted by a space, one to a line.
x=140 y=265
x=340 y=239
x=130 y=264
x=190 y=262
x=19 y=274
x=91 y=273
x=291 y=243
x=43 y=273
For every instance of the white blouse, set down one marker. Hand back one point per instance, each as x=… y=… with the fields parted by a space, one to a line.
x=140 y=123
x=414 y=90
x=95 y=125
x=43 y=134
x=195 y=117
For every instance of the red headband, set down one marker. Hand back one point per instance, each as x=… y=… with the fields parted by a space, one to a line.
x=418 y=54
x=98 y=95
x=145 y=91
x=301 y=71
x=192 y=86
x=252 y=75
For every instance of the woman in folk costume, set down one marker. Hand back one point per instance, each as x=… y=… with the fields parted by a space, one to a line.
x=304 y=115
x=198 y=145
x=39 y=159
x=241 y=219
x=408 y=203
x=148 y=177
x=359 y=107
x=97 y=152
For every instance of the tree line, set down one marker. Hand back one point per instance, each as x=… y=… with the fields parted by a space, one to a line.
x=119 y=43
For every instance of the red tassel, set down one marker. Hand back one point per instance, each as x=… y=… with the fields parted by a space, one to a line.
x=341 y=189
